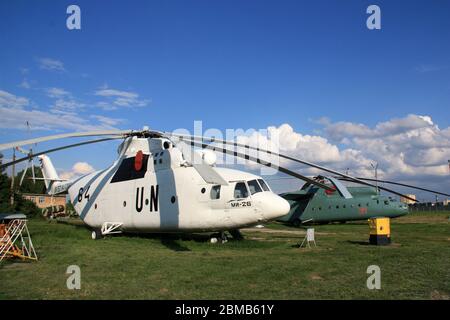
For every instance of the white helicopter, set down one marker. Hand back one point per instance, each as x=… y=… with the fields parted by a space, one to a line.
x=158 y=186
x=153 y=187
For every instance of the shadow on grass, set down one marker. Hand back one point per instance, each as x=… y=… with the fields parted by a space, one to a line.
x=72 y=222
x=361 y=243
x=174 y=245
x=169 y=240
x=172 y=240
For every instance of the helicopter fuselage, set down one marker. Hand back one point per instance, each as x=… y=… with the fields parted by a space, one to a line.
x=150 y=189
x=313 y=205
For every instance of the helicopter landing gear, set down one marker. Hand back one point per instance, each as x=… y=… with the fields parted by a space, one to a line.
x=219 y=237
x=96 y=234
x=107 y=228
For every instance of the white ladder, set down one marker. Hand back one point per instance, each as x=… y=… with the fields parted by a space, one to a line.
x=17 y=229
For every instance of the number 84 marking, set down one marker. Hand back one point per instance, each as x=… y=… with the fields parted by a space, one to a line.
x=86 y=194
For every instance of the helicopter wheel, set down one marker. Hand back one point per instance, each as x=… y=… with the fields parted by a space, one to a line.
x=219 y=237
x=96 y=234
x=223 y=237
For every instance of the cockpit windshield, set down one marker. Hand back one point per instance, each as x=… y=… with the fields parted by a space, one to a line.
x=254 y=186
x=240 y=190
x=263 y=185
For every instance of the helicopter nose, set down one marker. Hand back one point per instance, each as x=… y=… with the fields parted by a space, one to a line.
x=404 y=209
x=273 y=206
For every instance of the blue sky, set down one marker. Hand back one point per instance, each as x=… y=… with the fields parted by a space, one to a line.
x=231 y=64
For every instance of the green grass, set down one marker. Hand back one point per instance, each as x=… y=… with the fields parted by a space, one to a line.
x=264 y=266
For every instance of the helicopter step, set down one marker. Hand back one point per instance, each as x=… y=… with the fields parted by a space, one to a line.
x=107 y=228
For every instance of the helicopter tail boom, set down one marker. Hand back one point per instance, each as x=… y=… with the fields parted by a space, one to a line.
x=48 y=170
x=53 y=183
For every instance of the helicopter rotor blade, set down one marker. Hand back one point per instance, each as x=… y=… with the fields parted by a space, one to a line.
x=20 y=143
x=401 y=184
x=260 y=161
x=235 y=144
x=5 y=165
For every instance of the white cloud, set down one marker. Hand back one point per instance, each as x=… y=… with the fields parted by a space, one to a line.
x=64 y=101
x=67 y=105
x=25 y=84
x=8 y=100
x=57 y=92
x=51 y=64
x=15 y=111
x=78 y=169
x=82 y=168
x=106 y=106
x=405 y=148
x=42 y=120
x=119 y=98
x=411 y=149
x=311 y=148
x=116 y=93
x=107 y=121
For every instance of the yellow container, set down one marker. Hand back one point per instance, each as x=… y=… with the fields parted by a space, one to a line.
x=380 y=231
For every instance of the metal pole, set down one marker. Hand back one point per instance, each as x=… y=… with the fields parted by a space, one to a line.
x=13 y=173
x=375 y=167
x=376 y=177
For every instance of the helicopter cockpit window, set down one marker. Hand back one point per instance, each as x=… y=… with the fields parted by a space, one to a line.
x=254 y=186
x=127 y=170
x=240 y=190
x=263 y=185
x=215 y=192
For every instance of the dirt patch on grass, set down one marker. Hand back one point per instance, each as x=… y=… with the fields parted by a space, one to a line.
x=315 y=276
x=436 y=295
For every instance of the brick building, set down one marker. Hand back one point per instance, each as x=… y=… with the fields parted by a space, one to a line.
x=45 y=200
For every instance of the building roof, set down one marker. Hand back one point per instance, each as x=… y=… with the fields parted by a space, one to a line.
x=12 y=216
x=44 y=195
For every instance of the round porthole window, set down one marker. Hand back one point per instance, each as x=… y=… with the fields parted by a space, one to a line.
x=203 y=190
x=124 y=203
x=173 y=199
x=146 y=202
